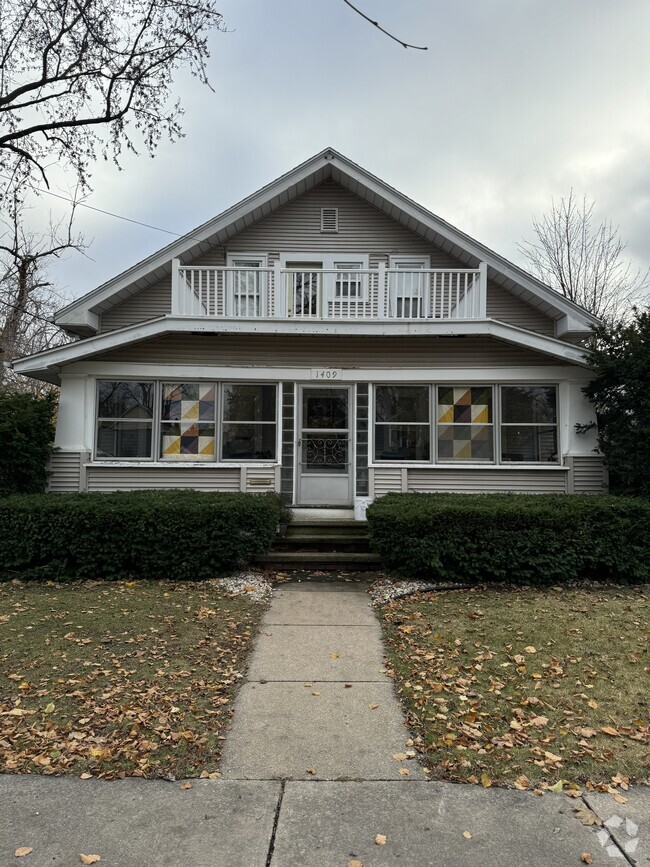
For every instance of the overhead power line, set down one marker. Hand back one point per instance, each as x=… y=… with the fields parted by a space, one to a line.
x=377 y=25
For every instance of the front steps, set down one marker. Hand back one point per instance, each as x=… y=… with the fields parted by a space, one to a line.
x=326 y=543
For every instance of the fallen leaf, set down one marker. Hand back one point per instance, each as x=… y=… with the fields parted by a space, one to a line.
x=404 y=772
x=186 y=786
x=373 y=706
x=557 y=787
x=348 y=685
x=587 y=816
x=620 y=799
x=334 y=655
x=315 y=692
x=467 y=835
x=380 y=840
x=530 y=649
x=399 y=756
x=311 y=770
x=592 y=703
x=608 y=730
x=89 y=859
x=86 y=776
x=49 y=708
x=24 y=850
x=354 y=864
x=586 y=858
x=486 y=782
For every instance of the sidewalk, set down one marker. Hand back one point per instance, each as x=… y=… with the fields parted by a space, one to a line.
x=309 y=778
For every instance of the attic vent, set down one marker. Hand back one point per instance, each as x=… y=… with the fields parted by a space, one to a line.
x=329 y=219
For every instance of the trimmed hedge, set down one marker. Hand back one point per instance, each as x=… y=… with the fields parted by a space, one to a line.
x=519 y=538
x=179 y=535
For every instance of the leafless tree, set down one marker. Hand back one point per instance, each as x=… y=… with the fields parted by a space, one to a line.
x=28 y=299
x=583 y=262
x=82 y=78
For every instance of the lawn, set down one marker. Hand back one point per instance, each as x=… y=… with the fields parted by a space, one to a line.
x=526 y=687
x=114 y=679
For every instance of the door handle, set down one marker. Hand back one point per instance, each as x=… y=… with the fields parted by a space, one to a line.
x=299 y=442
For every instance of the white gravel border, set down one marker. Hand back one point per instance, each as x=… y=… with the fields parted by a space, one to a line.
x=384 y=589
x=254 y=585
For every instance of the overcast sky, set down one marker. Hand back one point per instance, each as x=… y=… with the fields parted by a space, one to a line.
x=515 y=101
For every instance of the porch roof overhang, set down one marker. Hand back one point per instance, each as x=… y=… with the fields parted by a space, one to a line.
x=48 y=365
x=81 y=316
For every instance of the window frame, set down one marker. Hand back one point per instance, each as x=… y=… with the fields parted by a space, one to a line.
x=221 y=422
x=372 y=412
x=330 y=262
x=97 y=419
x=179 y=459
x=256 y=260
x=556 y=463
x=394 y=264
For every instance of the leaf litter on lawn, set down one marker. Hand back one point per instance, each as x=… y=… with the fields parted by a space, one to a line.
x=526 y=687
x=108 y=679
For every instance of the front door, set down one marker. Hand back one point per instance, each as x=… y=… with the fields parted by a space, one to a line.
x=324 y=453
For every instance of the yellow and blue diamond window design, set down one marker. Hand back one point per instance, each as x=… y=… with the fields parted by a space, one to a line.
x=187 y=422
x=465 y=430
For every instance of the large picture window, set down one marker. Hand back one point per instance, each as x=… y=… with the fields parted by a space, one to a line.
x=402 y=423
x=465 y=428
x=249 y=422
x=124 y=419
x=187 y=421
x=529 y=423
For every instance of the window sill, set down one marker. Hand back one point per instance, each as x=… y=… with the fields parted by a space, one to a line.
x=416 y=465
x=213 y=465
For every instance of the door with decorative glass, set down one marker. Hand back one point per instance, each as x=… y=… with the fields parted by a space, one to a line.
x=324 y=452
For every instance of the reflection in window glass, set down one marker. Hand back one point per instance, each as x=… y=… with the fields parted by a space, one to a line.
x=249 y=428
x=529 y=424
x=402 y=423
x=124 y=419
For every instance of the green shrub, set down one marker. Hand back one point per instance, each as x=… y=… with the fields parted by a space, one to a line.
x=26 y=437
x=525 y=539
x=180 y=535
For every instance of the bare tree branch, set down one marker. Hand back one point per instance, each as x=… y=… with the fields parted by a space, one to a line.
x=585 y=263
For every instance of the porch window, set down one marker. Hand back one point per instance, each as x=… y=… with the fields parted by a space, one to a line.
x=187 y=421
x=402 y=423
x=465 y=426
x=529 y=423
x=124 y=419
x=249 y=422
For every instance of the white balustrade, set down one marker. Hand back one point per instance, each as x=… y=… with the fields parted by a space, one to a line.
x=329 y=294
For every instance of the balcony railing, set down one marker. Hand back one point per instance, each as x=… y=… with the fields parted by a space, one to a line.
x=329 y=294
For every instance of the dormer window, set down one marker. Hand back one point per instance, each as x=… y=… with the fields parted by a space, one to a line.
x=329 y=219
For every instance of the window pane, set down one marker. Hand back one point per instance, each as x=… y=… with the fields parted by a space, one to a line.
x=403 y=442
x=187 y=441
x=402 y=403
x=325 y=408
x=528 y=404
x=125 y=399
x=532 y=443
x=465 y=405
x=465 y=442
x=249 y=402
x=124 y=439
x=187 y=401
x=248 y=442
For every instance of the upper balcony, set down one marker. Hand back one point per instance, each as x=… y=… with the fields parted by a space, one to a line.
x=326 y=295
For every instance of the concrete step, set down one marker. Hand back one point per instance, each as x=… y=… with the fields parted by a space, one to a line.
x=328 y=540
x=358 y=560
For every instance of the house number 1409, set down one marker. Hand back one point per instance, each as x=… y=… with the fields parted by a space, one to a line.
x=326 y=373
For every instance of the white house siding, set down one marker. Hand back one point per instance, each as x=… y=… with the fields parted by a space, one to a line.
x=65 y=472
x=311 y=351
x=588 y=474
x=489 y=480
x=295 y=228
x=111 y=478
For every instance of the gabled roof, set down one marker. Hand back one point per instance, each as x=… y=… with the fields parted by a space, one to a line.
x=81 y=315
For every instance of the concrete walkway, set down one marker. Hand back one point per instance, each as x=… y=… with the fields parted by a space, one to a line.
x=309 y=779
x=317 y=704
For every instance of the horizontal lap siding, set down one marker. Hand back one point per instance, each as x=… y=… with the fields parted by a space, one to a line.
x=386 y=480
x=588 y=474
x=346 y=352
x=508 y=308
x=260 y=479
x=65 y=473
x=487 y=481
x=147 y=478
x=147 y=304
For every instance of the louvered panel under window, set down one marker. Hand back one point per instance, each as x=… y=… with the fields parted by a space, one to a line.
x=329 y=219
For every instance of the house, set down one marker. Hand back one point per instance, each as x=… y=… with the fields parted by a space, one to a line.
x=328 y=338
